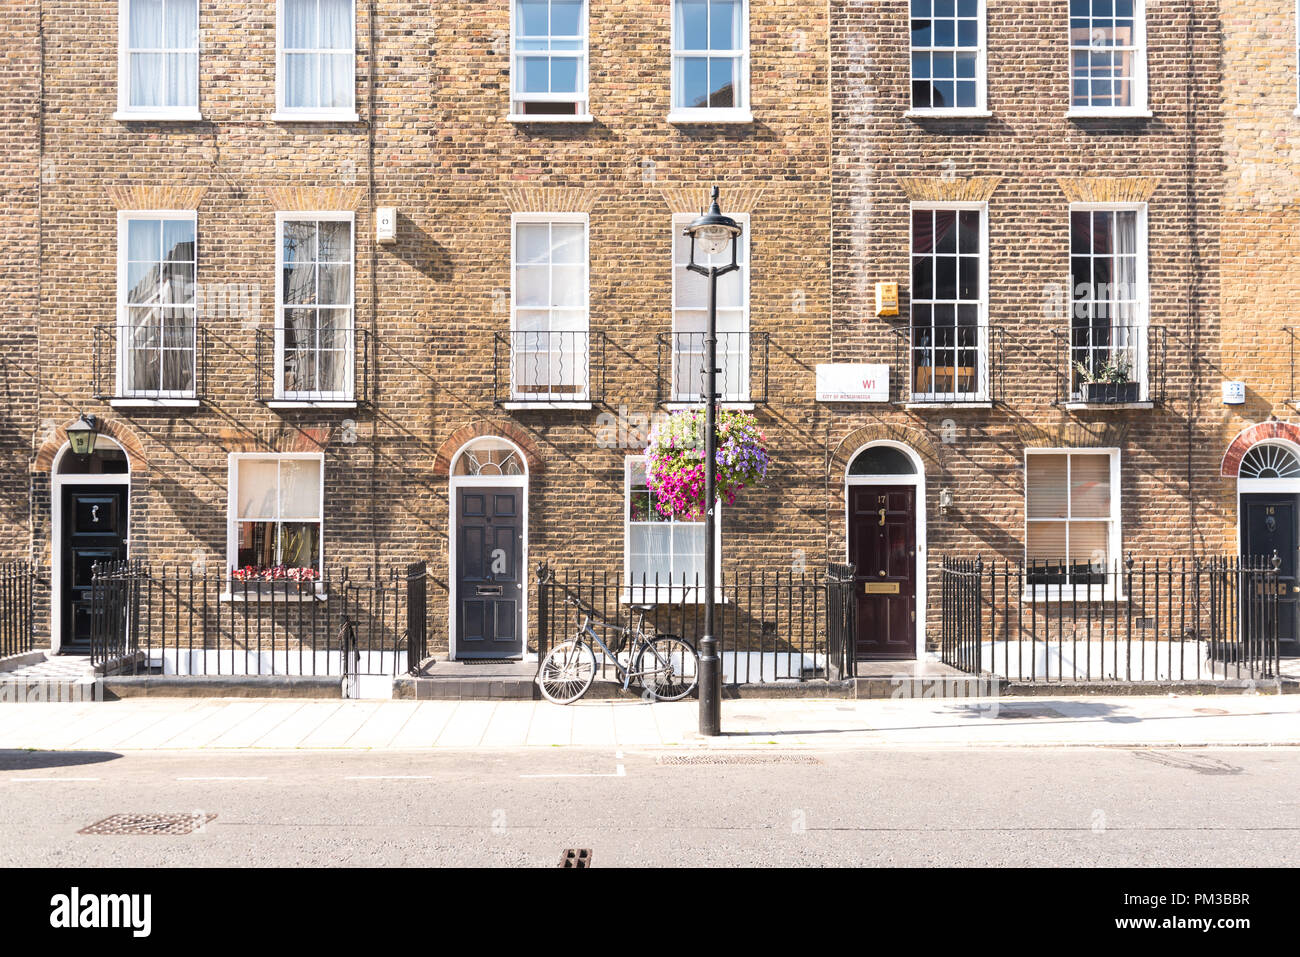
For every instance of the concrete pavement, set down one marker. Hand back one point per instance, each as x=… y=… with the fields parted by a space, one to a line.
x=143 y=724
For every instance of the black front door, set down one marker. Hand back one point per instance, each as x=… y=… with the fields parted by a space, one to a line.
x=94 y=524
x=882 y=546
x=1268 y=525
x=489 y=573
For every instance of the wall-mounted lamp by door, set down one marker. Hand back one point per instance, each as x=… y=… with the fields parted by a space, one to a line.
x=945 y=499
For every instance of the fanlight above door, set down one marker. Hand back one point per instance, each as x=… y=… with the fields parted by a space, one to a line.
x=1269 y=462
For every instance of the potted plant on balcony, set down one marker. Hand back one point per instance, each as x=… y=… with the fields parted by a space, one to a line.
x=1109 y=383
x=675 y=460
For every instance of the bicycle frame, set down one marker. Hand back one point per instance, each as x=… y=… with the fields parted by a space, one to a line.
x=640 y=641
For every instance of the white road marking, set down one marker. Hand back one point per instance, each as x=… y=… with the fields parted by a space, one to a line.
x=389 y=777
x=219 y=778
x=35 y=780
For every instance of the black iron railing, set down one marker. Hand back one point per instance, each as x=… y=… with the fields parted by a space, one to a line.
x=1164 y=620
x=549 y=367
x=1104 y=364
x=146 y=362
x=772 y=625
x=17 y=618
x=742 y=364
x=314 y=365
x=179 y=620
x=948 y=363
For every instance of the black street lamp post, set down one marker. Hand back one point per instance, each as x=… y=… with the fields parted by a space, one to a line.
x=713 y=233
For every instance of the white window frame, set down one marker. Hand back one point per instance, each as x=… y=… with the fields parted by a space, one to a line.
x=633 y=591
x=534 y=400
x=1139 y=107
x=981 y=73
x=982 y=395
x=125 y=111
x=1107 y=592
x=312 y=114
x=283 y=398
x=1141 y=320
x=581 y=101
x=736 y=399
x=144 y=397
x=232 y=512
x=705 y=114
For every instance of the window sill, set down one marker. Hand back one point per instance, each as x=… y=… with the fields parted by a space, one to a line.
x=1108 y=114
x=267 y=598
x=921 y=404
x=545 y=118
x=523 y=404
x=162 y=116
x=315 y=116
x=310 y=404
x=666 y=595
x=131 y=402
x=739 y=406
x=972 y=114
x=1055 y=595
x=710 y=116
x=1100 y=406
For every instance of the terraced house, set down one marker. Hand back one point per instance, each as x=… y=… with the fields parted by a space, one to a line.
x=352 y=284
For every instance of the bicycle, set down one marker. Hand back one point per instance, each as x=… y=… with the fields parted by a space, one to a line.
x=666 y=666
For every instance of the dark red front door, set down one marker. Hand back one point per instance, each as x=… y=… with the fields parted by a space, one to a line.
x=882 y=544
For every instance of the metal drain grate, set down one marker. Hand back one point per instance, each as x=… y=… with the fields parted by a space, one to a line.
x=737 y=759
x=1034 y=712
x=489 y=661
x=149 y=824
x=576 y=857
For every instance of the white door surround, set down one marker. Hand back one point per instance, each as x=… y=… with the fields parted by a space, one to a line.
x=917 y=481
x=483 y=479
x=57 y=481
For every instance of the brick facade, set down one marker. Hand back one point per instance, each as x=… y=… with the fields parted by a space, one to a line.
x=826 y=173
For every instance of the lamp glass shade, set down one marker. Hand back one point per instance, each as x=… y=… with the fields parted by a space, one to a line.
x=713 y=239
x=81 y=436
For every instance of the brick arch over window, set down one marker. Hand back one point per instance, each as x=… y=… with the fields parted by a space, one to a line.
x=1251 y=435
x=920 y=442
x=506 y=430
x=115 y=429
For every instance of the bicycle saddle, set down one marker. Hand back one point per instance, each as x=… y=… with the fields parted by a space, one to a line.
x=643 y=607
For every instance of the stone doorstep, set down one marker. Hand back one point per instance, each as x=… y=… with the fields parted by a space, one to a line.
x=23 y=660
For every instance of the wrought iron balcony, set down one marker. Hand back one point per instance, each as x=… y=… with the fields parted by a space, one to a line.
x=949 y=364
x=313 y=365
x=162 y=362
x=1104 y=364
x=742 y=367
x=548 y=368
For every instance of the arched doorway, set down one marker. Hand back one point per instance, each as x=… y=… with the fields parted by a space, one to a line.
x=884 y=497
x=90 y=522
x=488 y=550
x=1268 y=521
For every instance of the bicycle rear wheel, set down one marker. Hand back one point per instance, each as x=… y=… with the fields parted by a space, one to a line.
x=669 y=668
x=567 y=672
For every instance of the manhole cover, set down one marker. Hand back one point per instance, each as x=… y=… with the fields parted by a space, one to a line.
x=737 y=759
x=149 y=824
x=576 y=857
x=1035 y=712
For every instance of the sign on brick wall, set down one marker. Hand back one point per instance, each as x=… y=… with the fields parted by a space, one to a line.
x=852 y=382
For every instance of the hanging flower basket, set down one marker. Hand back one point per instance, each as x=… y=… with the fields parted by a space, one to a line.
x=675 y=460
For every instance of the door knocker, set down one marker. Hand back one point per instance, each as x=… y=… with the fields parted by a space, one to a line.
x=882 y=517
x=1270 y=523
x=94 y=514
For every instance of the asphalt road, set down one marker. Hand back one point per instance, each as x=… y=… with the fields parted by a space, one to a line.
x=997 y=807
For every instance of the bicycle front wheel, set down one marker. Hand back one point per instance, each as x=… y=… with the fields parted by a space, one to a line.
x=669 y=668
x=567 y=672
